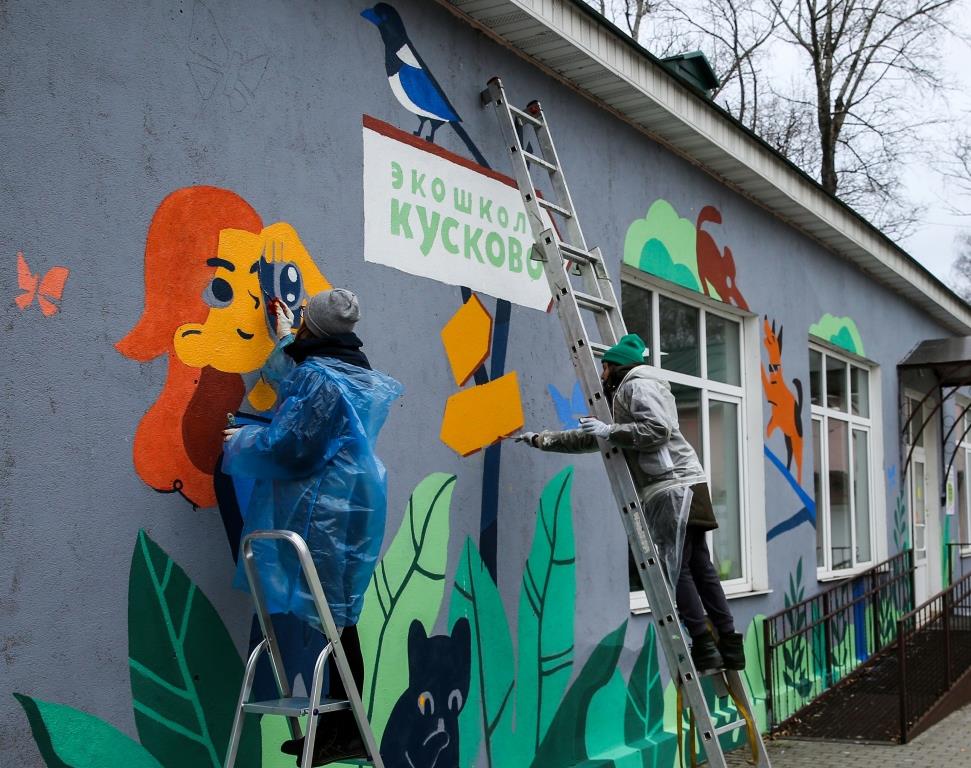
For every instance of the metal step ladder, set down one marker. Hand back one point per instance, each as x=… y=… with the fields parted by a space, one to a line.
x=567 y=256
x=295 y=707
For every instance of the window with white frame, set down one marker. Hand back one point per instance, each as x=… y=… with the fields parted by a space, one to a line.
x=843 y=465
x=699 y=352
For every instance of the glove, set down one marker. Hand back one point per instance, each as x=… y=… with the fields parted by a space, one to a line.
x=284 y=320
x=530 y=438
x=595 y=427
x=229 y=432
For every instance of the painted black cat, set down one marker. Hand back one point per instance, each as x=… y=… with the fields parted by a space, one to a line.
x=423 y=729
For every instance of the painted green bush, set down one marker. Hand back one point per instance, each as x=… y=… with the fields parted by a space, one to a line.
x=185 y=671
x=185 y=677
x=69 y=738
x=409 y=584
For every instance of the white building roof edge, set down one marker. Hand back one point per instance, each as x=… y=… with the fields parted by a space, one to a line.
x=579 y=47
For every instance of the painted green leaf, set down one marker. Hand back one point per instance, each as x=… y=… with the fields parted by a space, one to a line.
x=273 y=732
x=546 y=602
x=604 y=737
x=565 y=741
x=408 y=584
x=644 y=714
x=754 y=673
x=69 y=738
x=185 y=669
x=488 y=709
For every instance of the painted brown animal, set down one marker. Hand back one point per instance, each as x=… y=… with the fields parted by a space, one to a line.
x=714 y=269
x=786 y=406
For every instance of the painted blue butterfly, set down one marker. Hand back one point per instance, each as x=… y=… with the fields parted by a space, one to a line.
x=569 y=410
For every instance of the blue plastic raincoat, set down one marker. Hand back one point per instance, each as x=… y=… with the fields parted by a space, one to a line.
x=316 y=473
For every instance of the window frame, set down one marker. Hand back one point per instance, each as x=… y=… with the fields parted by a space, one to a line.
x=963 y=445
x=871 y=425
x=746 y=396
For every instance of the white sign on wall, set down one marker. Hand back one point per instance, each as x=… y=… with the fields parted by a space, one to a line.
x=432 y=213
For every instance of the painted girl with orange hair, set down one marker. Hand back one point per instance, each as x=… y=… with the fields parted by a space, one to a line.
x=210 y=267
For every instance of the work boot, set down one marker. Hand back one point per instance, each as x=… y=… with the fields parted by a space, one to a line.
x=704 y=653
x=732 y=647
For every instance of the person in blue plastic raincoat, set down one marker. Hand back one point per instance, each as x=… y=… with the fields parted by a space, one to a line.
x=673 y=490
x=317 y=474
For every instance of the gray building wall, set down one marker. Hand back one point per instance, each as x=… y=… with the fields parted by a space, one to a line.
x=103 y=116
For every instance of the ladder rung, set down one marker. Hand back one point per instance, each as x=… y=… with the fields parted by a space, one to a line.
x=732 y=726
x=594 y=303
x=577 y=254
x=294 y=706
x=598 y=349
x=537 y=160
x=554 y=207
x=525 y=116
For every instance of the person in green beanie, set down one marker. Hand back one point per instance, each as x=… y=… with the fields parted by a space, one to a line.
x=673 y=490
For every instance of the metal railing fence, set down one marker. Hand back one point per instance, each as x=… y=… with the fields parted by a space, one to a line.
x=933 y=652
x=813 y=644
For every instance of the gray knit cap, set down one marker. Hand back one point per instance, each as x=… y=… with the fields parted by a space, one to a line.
x=334 y=311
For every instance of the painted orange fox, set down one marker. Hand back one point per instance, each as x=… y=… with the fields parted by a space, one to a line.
x=715 y=269
x=786 y=406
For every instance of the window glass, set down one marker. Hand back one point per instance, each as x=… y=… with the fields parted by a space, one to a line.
x=818 y=493
x=836 y=389
x=815 y=377
x=840 y=524
x=725 y=491
x=689 y=415
x=636 y=309
x=680 y=348
x=920 y=546
x=723 y=349
x=860 y=400
x=861 y=494
x=915 y=433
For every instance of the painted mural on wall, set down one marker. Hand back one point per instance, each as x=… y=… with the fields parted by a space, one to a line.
x=439 y=210
x=46 y=290
x=671 y=247
x=210 y=267
x=786 y=407
x=841 y=331
x=483 y=414
x=220 y=66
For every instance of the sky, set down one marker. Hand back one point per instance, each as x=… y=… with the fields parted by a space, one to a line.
x=933 y=241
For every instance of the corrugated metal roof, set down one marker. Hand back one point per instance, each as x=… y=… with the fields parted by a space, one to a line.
x=583 y=49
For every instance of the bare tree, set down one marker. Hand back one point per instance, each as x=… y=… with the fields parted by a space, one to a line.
x=863 y=56
x=733 y=34
x=961 y=268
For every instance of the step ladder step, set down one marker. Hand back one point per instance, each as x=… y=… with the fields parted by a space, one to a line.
x=598 y=349
x=524 y=117
x=537 y=160
x=294 y=706
x=554 y=207
x=593 y=303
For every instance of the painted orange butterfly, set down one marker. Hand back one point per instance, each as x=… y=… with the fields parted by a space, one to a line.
x=47 y=289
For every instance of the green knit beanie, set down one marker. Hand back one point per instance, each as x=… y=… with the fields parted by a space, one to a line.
x=630 y=350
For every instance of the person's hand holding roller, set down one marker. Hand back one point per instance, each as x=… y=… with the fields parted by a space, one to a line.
x=284 y=319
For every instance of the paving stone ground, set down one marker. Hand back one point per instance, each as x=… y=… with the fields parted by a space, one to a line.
x=947 y=744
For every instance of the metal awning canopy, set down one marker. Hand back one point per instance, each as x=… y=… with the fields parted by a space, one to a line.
x=948 y=359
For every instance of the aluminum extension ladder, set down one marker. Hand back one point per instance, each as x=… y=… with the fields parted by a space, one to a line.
x=294 y=707
x=562 y=257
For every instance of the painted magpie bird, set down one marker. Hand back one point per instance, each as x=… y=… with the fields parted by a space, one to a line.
x=412 y=82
